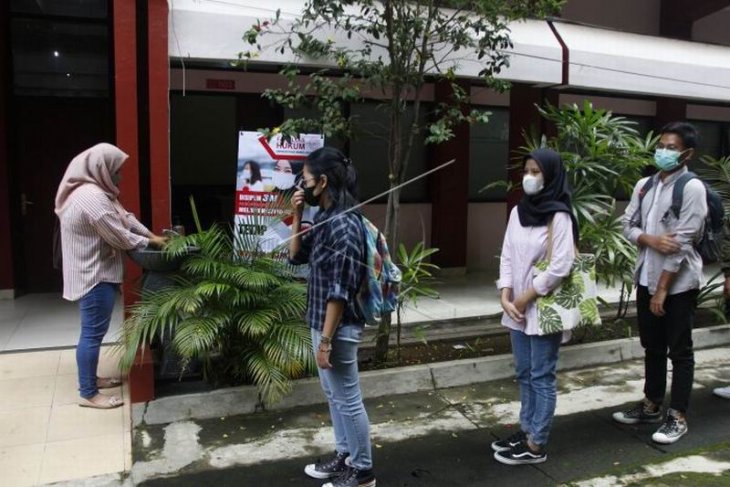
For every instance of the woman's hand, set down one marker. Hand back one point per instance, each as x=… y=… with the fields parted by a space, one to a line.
x=323 y=356
x=158 y=241
x=297 y=202
x=512 y=311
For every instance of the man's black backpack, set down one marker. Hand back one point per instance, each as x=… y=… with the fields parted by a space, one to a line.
x=710 y=244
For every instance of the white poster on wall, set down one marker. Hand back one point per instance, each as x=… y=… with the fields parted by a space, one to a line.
x=268 y=172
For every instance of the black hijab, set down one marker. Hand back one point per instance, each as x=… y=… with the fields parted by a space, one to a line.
x=537 y=210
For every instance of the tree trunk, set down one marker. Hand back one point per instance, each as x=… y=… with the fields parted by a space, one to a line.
x=391 y=232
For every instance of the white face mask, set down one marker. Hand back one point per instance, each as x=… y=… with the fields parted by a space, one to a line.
x=532 y=184
x=283 y=180
x=246 y=175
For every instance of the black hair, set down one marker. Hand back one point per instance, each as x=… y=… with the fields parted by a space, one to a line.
x=685 y=131
x=341 y=176
x=255 y=171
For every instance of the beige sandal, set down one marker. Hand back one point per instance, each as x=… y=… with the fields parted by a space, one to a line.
x=110 y=402
x=108 y=382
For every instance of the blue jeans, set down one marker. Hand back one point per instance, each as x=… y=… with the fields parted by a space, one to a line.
x=96 y=312
x=536 y=360
x=341 y=386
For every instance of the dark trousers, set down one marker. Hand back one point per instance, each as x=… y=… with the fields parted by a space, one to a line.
x=668 y=336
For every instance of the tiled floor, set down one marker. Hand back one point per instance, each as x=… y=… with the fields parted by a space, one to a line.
x=45 y=436
x=42 y=321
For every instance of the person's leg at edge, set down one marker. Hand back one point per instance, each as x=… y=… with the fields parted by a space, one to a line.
x=521 y=353
x=652 y=333
x=337 y=425
x=96 y=311
x=344 y=381
x=680 y=310
x=544 y=360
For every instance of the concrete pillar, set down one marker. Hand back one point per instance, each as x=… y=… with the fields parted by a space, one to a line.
x=449 y=190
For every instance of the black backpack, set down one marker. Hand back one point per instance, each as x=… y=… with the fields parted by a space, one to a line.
x=710 y=244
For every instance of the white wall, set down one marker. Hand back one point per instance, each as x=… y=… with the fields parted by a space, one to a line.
x=485 y=232
x=415 y=222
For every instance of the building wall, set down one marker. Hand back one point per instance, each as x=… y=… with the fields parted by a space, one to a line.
x=637 y=16
x=713 y=28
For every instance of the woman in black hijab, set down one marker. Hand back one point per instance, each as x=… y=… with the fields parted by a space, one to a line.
x=544 y=209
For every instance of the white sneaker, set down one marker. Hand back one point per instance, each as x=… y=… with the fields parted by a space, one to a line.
x=671 y=431
x=723 y=392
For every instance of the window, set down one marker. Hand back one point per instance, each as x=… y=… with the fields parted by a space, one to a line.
x=369 y=153
x=489 y=156
x=60 y=57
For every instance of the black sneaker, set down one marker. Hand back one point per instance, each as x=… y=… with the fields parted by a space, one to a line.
x=509 y=443
x=353 y=477
x=520 y=455
x=638 y=414
x=672 y=430
x=328 y=468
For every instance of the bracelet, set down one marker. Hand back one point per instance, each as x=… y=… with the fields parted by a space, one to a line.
x=325 y=349
x=325 y=339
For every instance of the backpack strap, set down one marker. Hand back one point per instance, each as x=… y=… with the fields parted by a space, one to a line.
x=636 y=220
x=678 y=192
x=645 y=189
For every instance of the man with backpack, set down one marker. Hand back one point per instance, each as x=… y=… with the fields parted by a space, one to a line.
x=666 y=219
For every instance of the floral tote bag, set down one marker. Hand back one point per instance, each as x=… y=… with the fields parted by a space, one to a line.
x=574 y=303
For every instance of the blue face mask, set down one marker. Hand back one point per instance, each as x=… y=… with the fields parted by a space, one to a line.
x=666 y=159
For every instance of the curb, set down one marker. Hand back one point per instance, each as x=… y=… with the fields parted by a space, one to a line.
x=401 y=380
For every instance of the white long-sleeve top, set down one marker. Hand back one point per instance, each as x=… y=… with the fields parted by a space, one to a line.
x=524 y=247
x=93 y=239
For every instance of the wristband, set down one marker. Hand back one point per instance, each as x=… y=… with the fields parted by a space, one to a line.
x=325 y=339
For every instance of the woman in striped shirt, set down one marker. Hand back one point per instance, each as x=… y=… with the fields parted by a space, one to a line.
x=96 y=230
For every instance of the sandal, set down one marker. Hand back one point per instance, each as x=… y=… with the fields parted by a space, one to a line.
x=110 y=402
x=108 y=382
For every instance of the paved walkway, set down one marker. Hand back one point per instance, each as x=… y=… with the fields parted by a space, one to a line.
x=442 y=438
x=42 y=321
x=45 y=436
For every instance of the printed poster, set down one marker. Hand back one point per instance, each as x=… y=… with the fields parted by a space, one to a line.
x=268 y=173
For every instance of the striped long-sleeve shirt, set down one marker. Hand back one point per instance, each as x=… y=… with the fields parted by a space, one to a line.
x=94 y=238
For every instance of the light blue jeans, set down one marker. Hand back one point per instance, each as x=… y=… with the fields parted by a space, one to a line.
x=536 y=360
x=341 y=386
x=96 y=313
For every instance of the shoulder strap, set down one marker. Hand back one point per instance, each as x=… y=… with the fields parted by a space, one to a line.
x=645 y=189
x=678 y=191
x=550 y=241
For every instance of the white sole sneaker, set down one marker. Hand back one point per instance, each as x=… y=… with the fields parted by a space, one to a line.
x=666 y=440
x=723 y=392
x=522 y=461
x=620 y=417
x=311 y=471
x=368 y=484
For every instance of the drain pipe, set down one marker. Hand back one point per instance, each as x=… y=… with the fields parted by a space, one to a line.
x=566 y=54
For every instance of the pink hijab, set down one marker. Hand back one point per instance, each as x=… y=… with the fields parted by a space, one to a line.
x=93 y=166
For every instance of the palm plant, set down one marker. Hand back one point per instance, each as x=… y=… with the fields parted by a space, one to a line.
x=417 y=275
x=235 y=309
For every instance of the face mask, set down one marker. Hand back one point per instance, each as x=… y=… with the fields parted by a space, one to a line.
x=246 y=175
x=310 y=198
x=666 y=159
x=116 y=177
x=532 y=184
x=283 y=180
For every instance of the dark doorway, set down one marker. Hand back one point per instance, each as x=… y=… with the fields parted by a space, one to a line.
x=59 y=106
x=47 y=133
